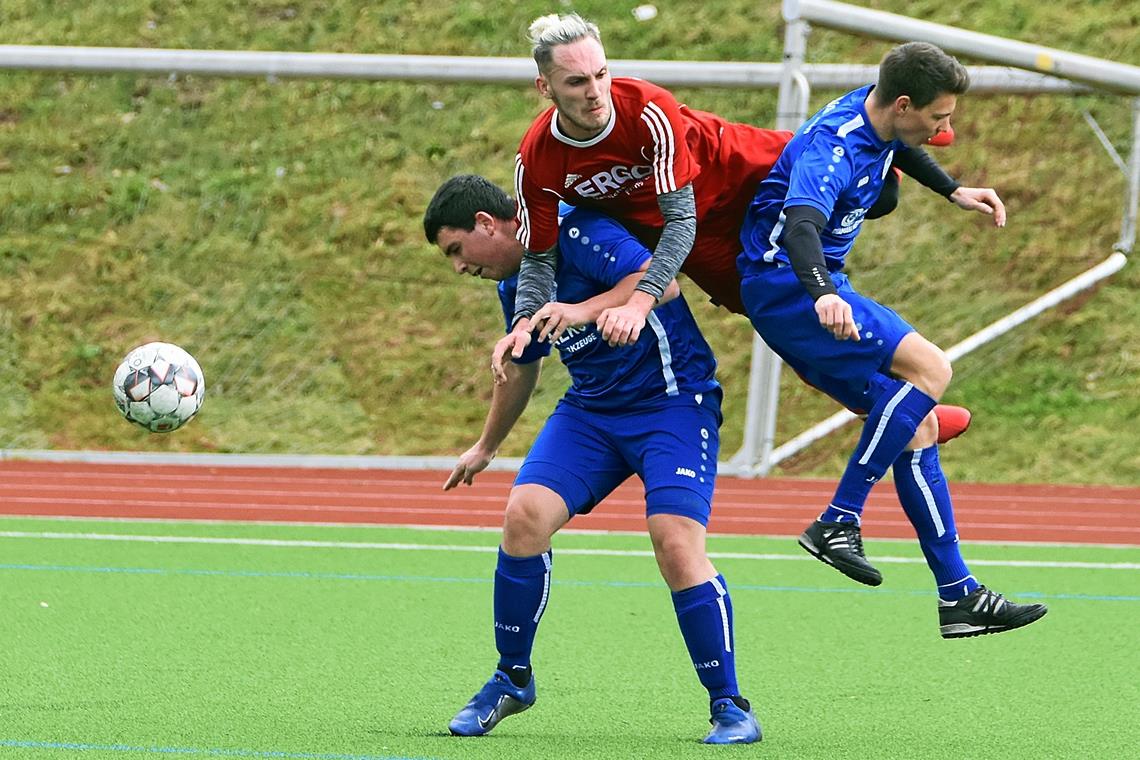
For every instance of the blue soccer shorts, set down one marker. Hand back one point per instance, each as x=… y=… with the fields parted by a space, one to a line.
x=849 y=371
x=673 y=447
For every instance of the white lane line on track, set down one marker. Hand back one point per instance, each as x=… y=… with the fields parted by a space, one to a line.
x=823 y=489
x=386 y=546
x=324 y=499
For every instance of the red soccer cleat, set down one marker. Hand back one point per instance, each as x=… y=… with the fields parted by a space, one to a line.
x=942 y=139
x=952 y=421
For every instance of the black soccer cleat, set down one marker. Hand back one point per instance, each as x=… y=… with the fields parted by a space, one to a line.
x=841 y=546
x=982 y=611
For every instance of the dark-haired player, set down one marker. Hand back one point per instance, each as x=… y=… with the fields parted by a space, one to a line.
x=798 y=232
x=651 y=408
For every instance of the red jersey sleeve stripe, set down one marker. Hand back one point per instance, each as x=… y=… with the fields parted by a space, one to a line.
x=664 y=147
x=523 y=234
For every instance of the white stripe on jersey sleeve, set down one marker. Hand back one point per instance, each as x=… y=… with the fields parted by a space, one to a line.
x=653 y=130
x=664 y=147
x=670 y=143
x=850 y=126
x=773 y=239
x=523 y=234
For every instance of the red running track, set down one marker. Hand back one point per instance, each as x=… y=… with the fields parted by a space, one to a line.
x=772 y=506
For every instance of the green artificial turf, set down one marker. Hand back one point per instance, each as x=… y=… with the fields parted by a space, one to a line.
x=119 y=649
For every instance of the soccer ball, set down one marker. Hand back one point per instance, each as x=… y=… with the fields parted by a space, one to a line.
x=159 y=386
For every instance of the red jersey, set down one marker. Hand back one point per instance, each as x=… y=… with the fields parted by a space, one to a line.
x=652 y=145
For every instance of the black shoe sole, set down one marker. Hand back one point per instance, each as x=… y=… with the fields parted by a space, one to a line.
x=1031 y=616
x=854 y=573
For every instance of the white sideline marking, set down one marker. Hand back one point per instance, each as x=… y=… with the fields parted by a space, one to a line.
x=313 y=544
x=497 y=529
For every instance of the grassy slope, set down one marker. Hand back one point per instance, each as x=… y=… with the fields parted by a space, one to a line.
x=273 y=230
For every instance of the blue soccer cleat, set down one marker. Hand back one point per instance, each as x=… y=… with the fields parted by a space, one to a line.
x=496 y=700
x=732 y=725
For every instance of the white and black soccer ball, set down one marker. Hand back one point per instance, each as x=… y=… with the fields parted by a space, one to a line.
x=159 y=386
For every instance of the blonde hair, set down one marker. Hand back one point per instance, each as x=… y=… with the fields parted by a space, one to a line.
x=548 y=32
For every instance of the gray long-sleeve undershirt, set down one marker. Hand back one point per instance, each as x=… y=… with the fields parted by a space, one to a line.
x=536 y=282
x=678 y=209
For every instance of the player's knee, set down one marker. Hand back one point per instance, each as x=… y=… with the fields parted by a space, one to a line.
x=922 y=363
x=678 y=544
x=672 y=548
x=523 y=523
x=679 y=564
x=936 y=373
x=944 y=371
x=926 y=434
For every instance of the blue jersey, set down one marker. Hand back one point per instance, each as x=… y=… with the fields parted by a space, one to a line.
x=836 y=164
x=670 y=358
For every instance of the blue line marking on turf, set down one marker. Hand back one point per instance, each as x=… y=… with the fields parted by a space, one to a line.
x=203 y=752
x=304 y=575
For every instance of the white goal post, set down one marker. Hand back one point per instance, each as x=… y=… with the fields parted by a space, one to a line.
x=1022 y=68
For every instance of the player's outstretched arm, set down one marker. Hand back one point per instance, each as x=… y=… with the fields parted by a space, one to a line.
x=984 y=200
x=919 y=164
x=508 y=400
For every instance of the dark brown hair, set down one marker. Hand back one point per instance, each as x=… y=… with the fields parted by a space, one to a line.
x=921 y=71
x=459 y=198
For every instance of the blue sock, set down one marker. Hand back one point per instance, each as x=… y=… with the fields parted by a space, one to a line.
x=704 y=613
x=925 y=498
x=890 y=426
x=522 y=586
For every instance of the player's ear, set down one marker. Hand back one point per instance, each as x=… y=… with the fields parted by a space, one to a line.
x=484 y=221
x=902 y=104
x=542 y=86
